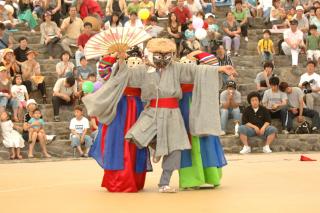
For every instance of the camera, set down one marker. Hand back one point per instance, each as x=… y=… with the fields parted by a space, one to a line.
x=307 y=86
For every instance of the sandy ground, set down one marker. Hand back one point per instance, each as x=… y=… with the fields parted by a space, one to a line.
x=253 y=183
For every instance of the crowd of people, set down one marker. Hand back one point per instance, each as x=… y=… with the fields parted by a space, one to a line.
x=63 y=23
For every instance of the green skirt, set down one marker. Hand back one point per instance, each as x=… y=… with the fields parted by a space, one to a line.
x=27 y=16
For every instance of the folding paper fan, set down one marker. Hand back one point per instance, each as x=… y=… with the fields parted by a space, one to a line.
x=114 y=40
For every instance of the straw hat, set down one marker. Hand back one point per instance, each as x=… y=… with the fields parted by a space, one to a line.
x=161 y=45
x=3 y=69
x=31 y=51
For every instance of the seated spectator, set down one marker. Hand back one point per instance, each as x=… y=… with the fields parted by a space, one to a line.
x=6 y=40
x=231 y=30
x=241 y=17
x=114 y=22
x=252 y=6
x=209 y=6
x=38 y=8
x=287 y=4
x=5 y=94
x=224 y=59
x=276 y=102
x=256 y=121
x=174 y=29
x=293 y=42
x=265 y=47
x=83 y=71
x=310 y=84
x=313 y=44
x=190 y=43
x=262 y=78
x=31 y=105
x=133 y=7
x=182 y=13
x=50 y=34
x=11 y=138
x=154 y=29
x=6 y=17
x=35 y=126
x=298 y=109
x=316 y=19
x=277 y=14
x=55 y=8
x=20 y=52
x=134 y=21
x=230 y=100
x=82 y=40
x=25 y=14
x=147 y=4
x=213 y=27
x=9 y=62
x=71 y=27
x=193 y=6
x=65 y=67
x=31 y=75
x=120 y=7
x=162 y=8
x=303 y=22
x=89 y=8
x=264 y=9
x=64 y=91
x=79 y=126
x=20 y=94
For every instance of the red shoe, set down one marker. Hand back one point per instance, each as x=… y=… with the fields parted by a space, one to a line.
x=304 y=158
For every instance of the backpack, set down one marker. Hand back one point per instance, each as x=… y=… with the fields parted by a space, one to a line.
x=304 y=128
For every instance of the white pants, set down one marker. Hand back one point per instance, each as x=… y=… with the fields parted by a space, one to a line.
x=310 y=98
x=78 y=55
x=293 y=52
x=313 y=54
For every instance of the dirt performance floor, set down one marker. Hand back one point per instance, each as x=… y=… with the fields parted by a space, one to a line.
x=252 y=183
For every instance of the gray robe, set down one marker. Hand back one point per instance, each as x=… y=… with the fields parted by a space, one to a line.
x=166 y=124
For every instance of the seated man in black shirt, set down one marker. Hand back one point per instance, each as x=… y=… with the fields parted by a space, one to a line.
x=256 y=121
x=21 y=52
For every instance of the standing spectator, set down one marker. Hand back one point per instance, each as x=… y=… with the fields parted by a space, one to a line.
x=79 y=126
x=230 y=100
x=182 y=13
x=9 y=62
x=31 y=75
x=20 y=52
x=120 y=7
x=5 y=94
x=232 y=30
x=63 y=92
x=241 y=17
x=262 y=78
x=113 y=23
x=194 y=6
x=276 y=101
x=149 y=5
x=256 y=121
x=293 y=42
x=71 y=27
x=297 y=108
x=303 y=22
x=89 y=8
x=174 y=29
x=134 y=21
x=6 y=41
x=265 y=47
x=316 y=19
x=26 y=16
x=54 y=6
x=313 y=44
x=11 y=138
x=50 y=34
x=20 y=94
x=65 y=67
x=310 y=83
x=82 y=40
x=162 y=8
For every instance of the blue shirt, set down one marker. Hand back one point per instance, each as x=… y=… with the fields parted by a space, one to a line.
x=41 y=121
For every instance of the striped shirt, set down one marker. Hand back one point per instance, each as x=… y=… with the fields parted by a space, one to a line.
x=226 y=60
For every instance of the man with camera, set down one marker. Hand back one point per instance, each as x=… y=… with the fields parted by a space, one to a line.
x=297 y=107
x=310 y=84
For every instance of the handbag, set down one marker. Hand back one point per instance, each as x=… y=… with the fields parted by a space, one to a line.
x=304 y=128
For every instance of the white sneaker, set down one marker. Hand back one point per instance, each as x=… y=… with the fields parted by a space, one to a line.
x=229 y=52
x=266 y=149
x=246 y=39
x=245 y=150
x=167 y=189
x=222 y=133
x=236 y=129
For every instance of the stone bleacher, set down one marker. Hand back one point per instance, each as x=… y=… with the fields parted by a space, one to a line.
x=247 y=64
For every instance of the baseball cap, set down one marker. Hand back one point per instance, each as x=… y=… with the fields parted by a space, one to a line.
x=299 y=7
x=31 y=101
x=231 y=84
x=209 y=14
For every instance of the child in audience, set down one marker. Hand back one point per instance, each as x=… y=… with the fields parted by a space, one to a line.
x=36 y=125
x=11 y=138
x=79 y=126
x=265 y=47
x=83 y=71
x=313 y=44
x=213 y=27
x=20 y=93
x=191 y=43
x=92 y=77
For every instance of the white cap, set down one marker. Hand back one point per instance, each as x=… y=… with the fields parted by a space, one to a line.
x=31 y=101
x=208 y=15
x=2 y=3
x=299 y=7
